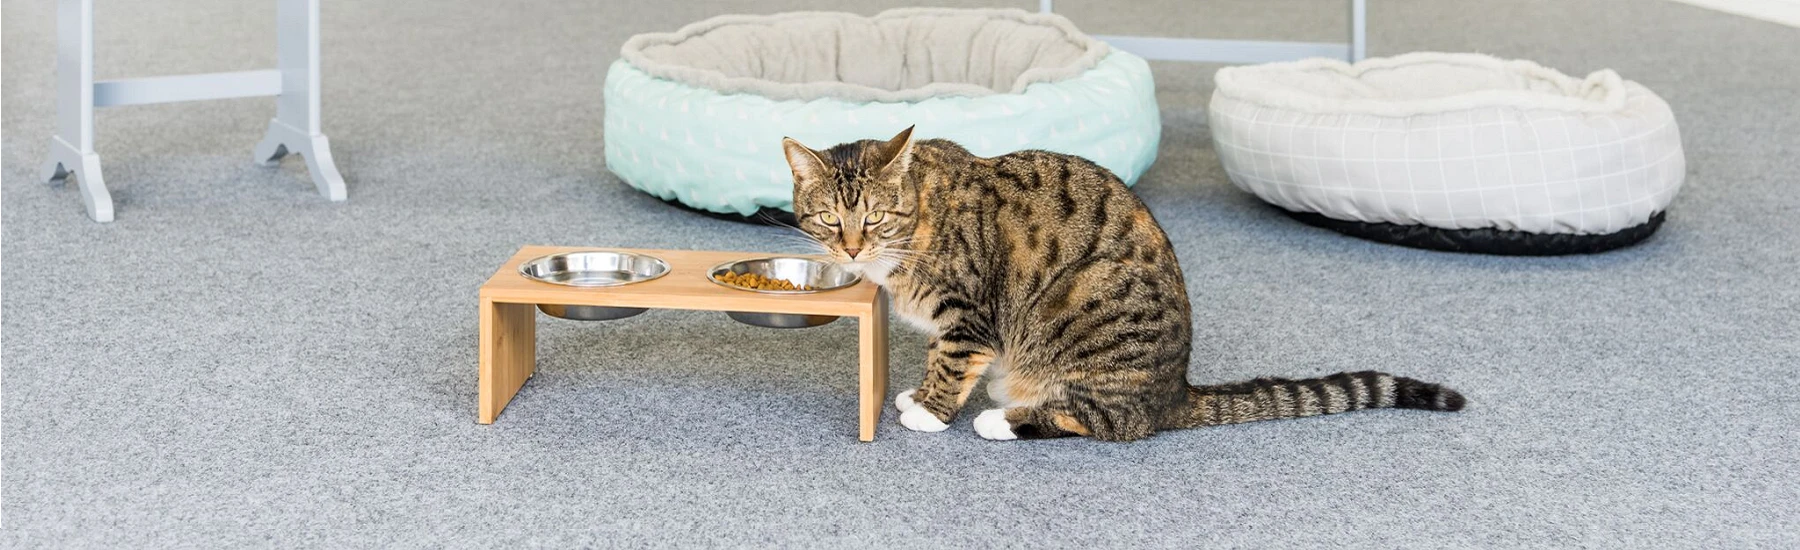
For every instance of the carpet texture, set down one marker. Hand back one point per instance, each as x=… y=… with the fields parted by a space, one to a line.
x=236 y=362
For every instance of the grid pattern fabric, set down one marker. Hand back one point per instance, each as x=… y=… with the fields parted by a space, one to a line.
x=1507 y=165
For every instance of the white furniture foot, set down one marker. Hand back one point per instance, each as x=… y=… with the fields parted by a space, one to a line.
x=72 y=148
x=283 y=140
x=295 y=128
x=66 y=161
x=294 y=82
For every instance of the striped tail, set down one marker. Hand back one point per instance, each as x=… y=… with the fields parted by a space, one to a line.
x=1278 y=398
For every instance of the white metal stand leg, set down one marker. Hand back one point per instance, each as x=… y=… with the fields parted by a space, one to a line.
x=66 y=161
x=72 y=148
x=295 y=128
x=1238 y=51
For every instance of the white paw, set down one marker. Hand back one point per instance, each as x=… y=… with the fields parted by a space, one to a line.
x=920 y=420
x=992 y=424
x=904 y=401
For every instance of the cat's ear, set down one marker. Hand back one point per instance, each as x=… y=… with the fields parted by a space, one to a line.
x=805 y=162
x=897 y=152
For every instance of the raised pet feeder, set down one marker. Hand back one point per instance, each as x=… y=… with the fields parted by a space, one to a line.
x=590 y=284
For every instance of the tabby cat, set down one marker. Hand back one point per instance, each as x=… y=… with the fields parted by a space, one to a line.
x=1045 y=273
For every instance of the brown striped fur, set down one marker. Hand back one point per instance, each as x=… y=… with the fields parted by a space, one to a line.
x=1046 y=272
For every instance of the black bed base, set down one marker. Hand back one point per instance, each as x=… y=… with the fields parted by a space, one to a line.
x=1484 y=241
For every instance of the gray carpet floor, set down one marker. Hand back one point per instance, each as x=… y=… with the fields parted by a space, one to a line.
x=237 y=362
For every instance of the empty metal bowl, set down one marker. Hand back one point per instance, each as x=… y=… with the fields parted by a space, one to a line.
x=593 y=269
x=822 y=276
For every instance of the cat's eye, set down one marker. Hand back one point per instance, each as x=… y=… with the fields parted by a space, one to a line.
x=874 y=218
x=828 y=219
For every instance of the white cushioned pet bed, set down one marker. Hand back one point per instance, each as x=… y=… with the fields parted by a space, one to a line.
x=1458 y=152
x=697 y=116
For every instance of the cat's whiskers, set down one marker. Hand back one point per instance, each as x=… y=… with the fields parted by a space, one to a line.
x=900 y=244
x=808 y=242
x=765 y=217
x=906 y=252
x=808 y=239
x=798 y=236
x=912 y=259
x=909 y=256
x=890 y=263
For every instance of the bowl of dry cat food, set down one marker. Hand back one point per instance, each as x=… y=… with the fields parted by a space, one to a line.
x=593 y=269
x=782 y=275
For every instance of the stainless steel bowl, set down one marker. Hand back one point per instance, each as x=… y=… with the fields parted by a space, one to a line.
x=822 y=276
x=593 y=269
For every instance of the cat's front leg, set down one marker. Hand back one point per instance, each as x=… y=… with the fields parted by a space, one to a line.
x=953 y=365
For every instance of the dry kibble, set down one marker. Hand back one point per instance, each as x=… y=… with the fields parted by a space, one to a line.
x=758 y=282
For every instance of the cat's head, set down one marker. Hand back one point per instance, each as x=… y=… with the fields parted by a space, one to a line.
x=856 y=198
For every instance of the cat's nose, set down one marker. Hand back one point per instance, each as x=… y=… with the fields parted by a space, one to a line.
x=852 y=252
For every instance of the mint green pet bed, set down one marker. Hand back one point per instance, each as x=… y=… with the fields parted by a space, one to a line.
x=696 y=116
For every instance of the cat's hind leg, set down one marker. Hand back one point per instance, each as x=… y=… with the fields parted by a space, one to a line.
x=1027 y=423
x=1064 y=418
